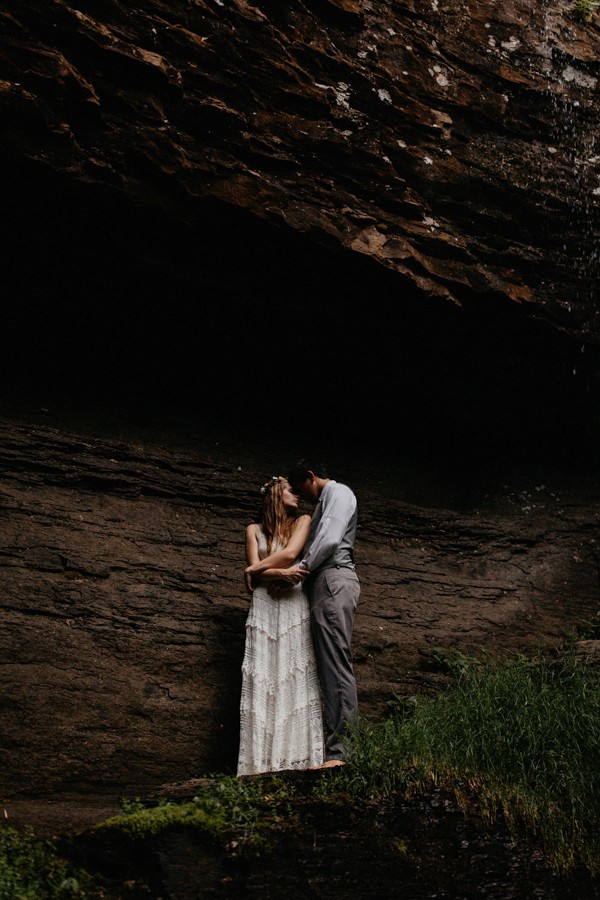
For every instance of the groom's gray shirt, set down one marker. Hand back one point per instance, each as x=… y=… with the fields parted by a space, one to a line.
x=332 y=534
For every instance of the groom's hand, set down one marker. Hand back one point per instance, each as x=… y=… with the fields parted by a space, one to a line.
x=290 y=576
x=285 y=578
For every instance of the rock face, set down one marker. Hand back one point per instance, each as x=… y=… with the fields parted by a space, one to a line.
x=124 y=611
x=367 y=228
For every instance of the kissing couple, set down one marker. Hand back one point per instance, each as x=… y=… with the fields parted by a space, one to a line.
x=298 y=659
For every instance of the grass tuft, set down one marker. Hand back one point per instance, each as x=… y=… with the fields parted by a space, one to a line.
x=586 y=8
x=522 y=734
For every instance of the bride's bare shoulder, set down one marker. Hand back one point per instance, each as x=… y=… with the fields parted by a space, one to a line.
x=302 y=520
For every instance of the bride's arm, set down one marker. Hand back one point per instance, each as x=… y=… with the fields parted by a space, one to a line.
x=271 y=574
x=281 y=559
x=252 y=557
x=252 y=554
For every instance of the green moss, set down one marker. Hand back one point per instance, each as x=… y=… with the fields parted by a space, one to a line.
x=152 y=821
x=242 y=815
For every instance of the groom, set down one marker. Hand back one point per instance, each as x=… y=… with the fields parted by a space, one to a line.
x=333 y=588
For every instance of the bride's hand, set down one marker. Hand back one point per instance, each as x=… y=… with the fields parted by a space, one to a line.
x=248 y=575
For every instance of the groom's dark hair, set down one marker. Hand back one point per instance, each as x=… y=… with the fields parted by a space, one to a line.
x=299 y=473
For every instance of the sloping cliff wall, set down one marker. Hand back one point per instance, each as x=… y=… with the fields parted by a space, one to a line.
x=124 y=609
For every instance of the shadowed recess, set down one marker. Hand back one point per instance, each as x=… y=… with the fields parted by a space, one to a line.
x=228 y=317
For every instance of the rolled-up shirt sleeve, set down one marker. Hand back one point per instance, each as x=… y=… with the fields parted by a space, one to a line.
x=337 y=511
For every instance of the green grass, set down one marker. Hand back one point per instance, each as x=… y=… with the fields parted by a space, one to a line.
x=521 y=735
x=31 y=869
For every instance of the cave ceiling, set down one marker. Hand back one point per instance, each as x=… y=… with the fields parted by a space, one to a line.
x=422 y=177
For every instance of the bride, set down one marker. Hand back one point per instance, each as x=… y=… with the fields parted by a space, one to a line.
x=280 y=710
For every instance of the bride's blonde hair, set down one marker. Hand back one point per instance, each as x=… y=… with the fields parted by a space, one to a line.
x=278 y=524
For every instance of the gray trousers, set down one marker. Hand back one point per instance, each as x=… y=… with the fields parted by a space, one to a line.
x=333 y=597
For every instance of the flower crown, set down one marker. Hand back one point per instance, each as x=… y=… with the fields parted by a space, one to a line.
x=269 y=484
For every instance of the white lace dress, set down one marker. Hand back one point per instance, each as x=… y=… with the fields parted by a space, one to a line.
x=281 y=724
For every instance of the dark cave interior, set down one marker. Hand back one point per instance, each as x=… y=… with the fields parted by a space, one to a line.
x=215 y=315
